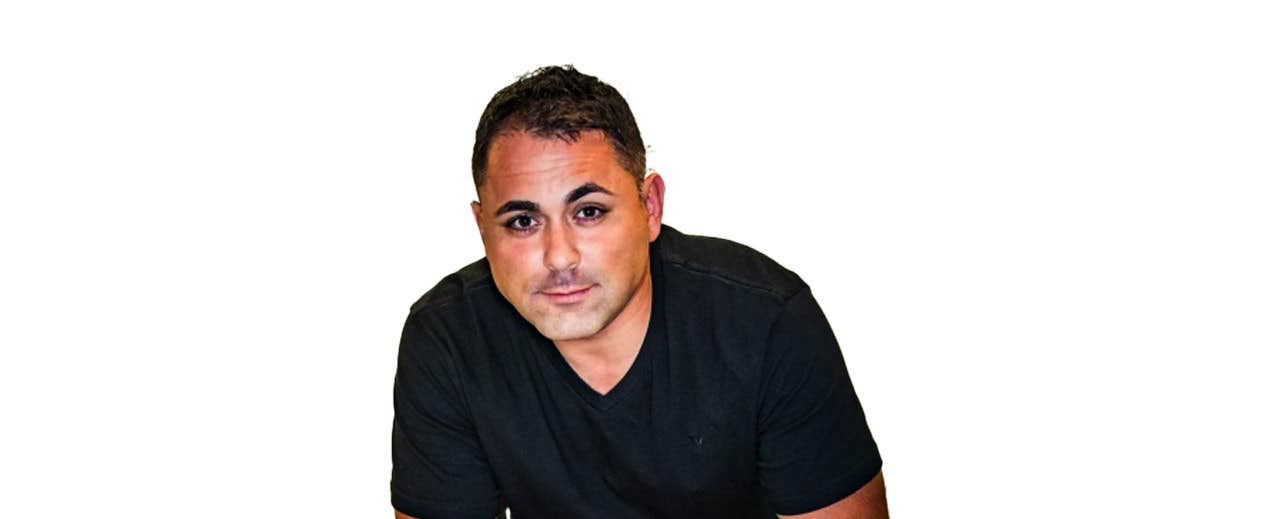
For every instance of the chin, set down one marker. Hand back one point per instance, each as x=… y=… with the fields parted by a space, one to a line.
x=566 y=323
x=567 y=329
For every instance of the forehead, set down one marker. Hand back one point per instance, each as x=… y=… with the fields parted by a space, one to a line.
x=528 y=167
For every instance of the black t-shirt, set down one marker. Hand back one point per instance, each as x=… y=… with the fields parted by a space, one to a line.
x=737 y=405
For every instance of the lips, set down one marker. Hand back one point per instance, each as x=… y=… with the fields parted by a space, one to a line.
x=567 y=295
x=564 y=292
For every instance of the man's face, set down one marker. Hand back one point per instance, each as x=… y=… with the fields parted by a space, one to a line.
x=565 y=231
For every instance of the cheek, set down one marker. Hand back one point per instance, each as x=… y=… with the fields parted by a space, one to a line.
x=622 y=253
x=515 y=264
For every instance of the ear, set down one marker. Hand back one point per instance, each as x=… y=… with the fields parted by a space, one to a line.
x=654 y=189
x=475 y=213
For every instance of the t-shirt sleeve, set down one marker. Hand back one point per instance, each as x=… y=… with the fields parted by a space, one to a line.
x=815 y=447
x=439 y=469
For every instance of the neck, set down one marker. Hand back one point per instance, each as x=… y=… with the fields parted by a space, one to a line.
x=605 y=357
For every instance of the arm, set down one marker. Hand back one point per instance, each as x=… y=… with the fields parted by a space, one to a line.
x=439 y=469
x=404 y=516
x=867 y=503
x=816 y=456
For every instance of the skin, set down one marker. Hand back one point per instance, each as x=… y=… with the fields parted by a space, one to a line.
x=558 y=215
x=867 y=503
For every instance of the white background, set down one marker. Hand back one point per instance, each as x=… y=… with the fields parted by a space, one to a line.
x=1046 y=234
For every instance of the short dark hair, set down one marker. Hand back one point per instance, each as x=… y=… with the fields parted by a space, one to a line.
x=560 y=102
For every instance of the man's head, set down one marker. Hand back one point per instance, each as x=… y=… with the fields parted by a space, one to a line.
x=565 y=212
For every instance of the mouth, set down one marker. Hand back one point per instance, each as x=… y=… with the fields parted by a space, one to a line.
x=566 y=295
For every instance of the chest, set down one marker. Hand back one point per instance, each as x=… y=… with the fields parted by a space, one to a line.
x=653 y=446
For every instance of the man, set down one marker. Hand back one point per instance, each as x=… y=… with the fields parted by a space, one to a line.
x=599 y=364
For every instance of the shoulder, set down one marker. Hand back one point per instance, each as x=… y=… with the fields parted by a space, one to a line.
x=451 y=312
x=455 y=287
x=728 y=264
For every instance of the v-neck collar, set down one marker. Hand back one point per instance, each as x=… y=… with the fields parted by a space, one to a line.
x=640 y=367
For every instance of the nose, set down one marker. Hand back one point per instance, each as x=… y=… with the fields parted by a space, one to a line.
x=560 y=248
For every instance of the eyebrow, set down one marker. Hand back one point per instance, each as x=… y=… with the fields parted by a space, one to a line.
x=578 y=192
x=584 y=190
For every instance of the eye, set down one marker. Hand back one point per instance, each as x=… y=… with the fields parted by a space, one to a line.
x=592 y=212
x=520 y=223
